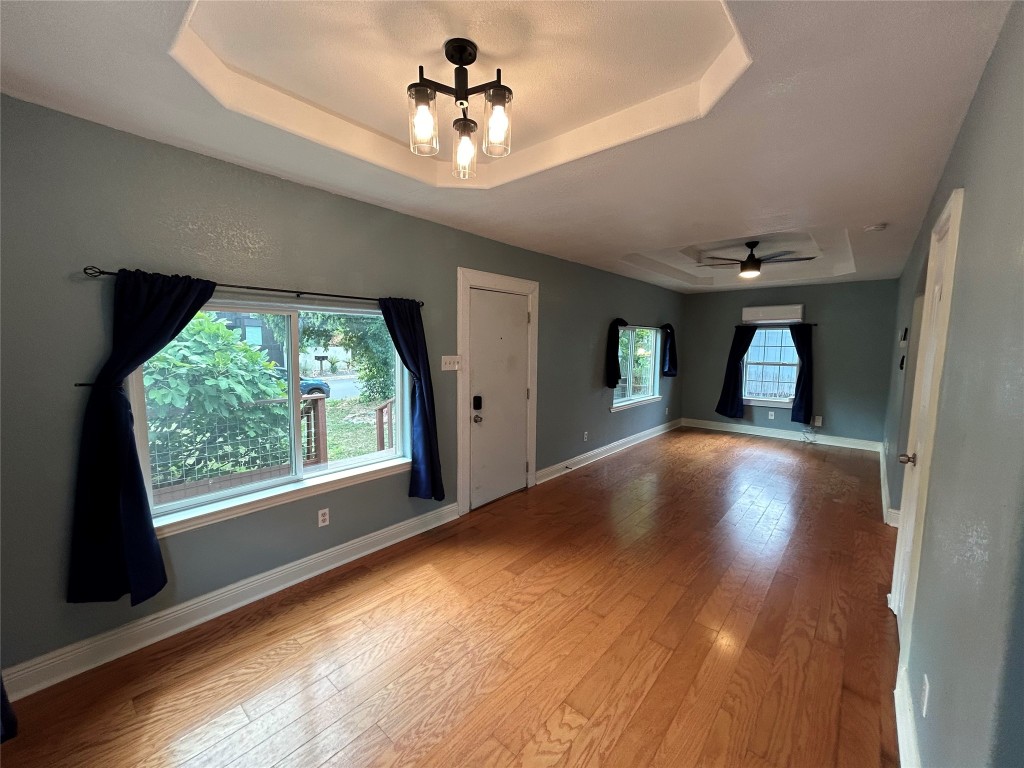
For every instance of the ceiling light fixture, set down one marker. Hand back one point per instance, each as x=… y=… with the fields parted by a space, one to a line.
x=751 y=266
x=497 y=133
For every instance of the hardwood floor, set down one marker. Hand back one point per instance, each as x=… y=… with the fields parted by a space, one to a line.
x=701 y=599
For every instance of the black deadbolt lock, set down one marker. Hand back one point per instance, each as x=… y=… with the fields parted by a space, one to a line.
x=478 y=402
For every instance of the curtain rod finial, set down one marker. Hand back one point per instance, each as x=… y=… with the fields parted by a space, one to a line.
x=92 y=271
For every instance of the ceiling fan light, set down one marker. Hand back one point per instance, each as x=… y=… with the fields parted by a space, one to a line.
x=751 y=267
x=464 y=149
x=423 y=120
x=497 y=136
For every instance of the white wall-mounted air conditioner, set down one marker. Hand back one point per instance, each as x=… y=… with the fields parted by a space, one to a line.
x=780 y=315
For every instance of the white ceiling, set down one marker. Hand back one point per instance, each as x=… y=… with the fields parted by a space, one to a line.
x=843 y=119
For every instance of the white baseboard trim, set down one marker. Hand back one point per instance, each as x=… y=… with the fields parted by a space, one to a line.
x=50 y=668
x=906 y=725
x=569 y=465
x=889 y=515
x=784 y=434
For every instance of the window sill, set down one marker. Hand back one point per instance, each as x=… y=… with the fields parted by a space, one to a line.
x=225 y=509
x=634 y=403
x=785 y=404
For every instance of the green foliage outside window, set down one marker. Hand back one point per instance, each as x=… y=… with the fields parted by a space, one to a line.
x=206 y=396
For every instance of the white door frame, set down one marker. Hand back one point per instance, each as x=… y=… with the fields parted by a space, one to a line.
x=469 y=279
x=904 y=588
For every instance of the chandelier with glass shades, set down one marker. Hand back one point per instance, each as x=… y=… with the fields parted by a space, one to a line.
x=497 y=134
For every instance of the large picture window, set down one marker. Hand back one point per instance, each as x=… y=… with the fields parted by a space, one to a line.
x=770 y=368
x=639 y=363
x=248 y=397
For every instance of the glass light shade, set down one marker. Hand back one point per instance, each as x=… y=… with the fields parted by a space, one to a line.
x=497 y=138
x=464 y=149
x=423 y=121
x=750 y=267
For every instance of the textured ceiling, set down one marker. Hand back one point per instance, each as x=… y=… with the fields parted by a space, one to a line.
x=844 y=118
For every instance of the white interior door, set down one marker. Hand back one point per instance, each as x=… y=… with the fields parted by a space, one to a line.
x=917 y=455
x=498 y=375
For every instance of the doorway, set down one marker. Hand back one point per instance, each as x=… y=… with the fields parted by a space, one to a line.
x=497 y=386
x=916 y=457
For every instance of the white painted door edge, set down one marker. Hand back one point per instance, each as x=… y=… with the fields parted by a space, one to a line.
x=906 y=724
x=467 y=280
x=50 y=668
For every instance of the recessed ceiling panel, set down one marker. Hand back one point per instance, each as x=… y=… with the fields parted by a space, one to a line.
x=586 y=77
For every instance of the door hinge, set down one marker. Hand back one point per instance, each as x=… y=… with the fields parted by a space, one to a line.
x=527 y=467
x=528 y=318
x=527 y=393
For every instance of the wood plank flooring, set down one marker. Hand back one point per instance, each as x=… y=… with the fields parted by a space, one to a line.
x=699 y=600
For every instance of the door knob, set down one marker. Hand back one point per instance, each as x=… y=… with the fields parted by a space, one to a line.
x=911 y=459
x=478 y=419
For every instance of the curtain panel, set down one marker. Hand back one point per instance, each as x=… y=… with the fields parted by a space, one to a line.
x=669 y=364
x=612 y=372
x=803 y=400
x=114 y=549
x=405 y=324
x=730 y=403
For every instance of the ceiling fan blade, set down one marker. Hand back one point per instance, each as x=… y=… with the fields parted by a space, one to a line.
x=776 y=255
x=722 y=258
x=798 y=258
x=719 y=266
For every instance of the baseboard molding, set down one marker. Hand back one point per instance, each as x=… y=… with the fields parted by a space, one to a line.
x=569 y=465
x=889 y=515
x=48 y=669
x=906 y=725
x=784 y=434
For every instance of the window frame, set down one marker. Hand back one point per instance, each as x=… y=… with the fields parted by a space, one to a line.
x=185 y=514
x=770 y=402
x=655 y=396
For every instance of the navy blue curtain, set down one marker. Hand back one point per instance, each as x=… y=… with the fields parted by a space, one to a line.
x=114 y=550
x=405 y=324
x=730 y=403
x=612 y=373
x=803 y=400
x=8 y=722
x=669 y=366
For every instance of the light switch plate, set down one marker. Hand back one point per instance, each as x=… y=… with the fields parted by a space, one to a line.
x=450 y=362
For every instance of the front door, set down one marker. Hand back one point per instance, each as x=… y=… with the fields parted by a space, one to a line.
x=924 y=405
x=498 y=348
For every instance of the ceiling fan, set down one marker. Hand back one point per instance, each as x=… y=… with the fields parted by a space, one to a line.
x=751 y=265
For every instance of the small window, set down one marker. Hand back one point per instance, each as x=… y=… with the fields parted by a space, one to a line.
x=241 y=401
x=770 y=368
x=639 y=362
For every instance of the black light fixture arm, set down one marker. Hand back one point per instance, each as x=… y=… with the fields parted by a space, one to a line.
x=461 y=90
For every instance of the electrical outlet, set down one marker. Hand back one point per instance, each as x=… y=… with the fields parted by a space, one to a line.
x=771 y=415
x=324 y=517
x=924 y=697
x=666 y=411
x=817 y=421
x=450 y=362
x=585 y=434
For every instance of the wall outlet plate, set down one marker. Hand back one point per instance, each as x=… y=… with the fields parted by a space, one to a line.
x=585 y=436
x=771 y=415
x=450 y=362
x=817 y=421
x=324 y=517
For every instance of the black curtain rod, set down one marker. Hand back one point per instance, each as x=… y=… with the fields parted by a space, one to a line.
x=92 y=271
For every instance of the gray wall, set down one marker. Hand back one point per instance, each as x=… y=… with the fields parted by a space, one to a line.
x=852 y=344
x=967 y=633
x=76 y=193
